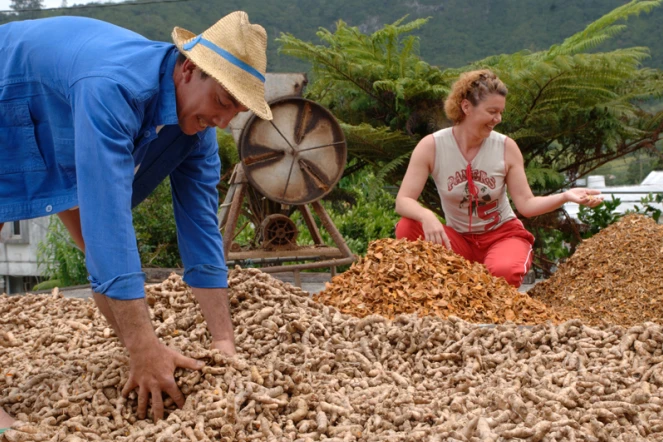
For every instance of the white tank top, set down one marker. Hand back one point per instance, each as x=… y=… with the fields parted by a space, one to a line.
x=491 y=208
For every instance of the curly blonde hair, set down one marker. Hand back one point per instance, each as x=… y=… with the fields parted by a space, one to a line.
x=474 y=86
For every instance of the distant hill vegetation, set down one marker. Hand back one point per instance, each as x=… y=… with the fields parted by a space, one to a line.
x=459 y=32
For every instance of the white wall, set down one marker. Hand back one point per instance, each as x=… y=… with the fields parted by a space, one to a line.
x=18 y=255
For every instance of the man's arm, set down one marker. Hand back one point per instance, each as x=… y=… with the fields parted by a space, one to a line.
x=106 y=122
x=216 y=309
x=195 y=203
x=151 y=363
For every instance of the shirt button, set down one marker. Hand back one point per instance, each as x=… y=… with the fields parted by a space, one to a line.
x=49 y=208
x=147 y=133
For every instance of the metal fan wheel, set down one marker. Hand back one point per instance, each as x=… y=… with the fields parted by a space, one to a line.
x=296 y=158
x=279 y=231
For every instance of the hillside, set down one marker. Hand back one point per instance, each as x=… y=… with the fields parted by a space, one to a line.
x=459 y=32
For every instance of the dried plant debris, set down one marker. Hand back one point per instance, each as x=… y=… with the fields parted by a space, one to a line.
x=615 y=277
x=307 y=372
x=400 y=276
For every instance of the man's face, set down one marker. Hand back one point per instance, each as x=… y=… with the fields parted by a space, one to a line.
x=202 y=103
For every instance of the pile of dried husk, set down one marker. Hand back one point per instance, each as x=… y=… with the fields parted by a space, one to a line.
x=400 y=276
x=614 y=277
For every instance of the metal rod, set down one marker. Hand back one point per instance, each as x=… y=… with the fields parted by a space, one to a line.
x=312 y=227
x=321 y=146
x=605 y=191
x=313 y=265
x=331 y=228
x=280 y=259
x=287 y=183
x=233 y=213
x=283 y=136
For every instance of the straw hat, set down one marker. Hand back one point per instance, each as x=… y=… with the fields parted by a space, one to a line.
x=233 y=52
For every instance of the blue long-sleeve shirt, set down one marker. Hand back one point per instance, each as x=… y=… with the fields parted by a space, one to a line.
x=88 y=118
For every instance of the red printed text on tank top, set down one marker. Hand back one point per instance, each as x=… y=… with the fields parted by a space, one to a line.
x=483 y=206
x=479 y=176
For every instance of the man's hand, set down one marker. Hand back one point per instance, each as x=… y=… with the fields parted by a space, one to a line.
x=151 y=371
x=225 y=347
x=151 y=364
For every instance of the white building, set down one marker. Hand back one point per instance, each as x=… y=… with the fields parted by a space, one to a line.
x=19 y=271
x=630 y=196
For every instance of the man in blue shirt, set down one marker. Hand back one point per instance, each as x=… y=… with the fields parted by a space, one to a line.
x=92 y=118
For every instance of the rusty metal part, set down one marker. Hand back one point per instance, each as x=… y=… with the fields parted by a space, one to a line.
x=327 y=256
x=310 y=223
x=328 y=224
x=279 y=233
x=235 y=207
x=296 y=158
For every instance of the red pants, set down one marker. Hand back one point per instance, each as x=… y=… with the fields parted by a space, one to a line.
x=505 y=251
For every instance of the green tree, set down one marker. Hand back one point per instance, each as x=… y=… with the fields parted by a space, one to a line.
x=59 y=259
x=26 y=5
x=571 y=108
x=156 y=233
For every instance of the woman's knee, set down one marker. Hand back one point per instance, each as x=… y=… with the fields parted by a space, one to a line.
x=407 y=228
x=512 y=272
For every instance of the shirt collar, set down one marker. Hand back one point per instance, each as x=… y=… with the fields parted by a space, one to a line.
x=167 y=105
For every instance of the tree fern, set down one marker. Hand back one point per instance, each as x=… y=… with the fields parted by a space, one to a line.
x=570 y=108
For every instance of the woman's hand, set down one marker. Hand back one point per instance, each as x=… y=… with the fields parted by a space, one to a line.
x=434 y=230
x=587 y=197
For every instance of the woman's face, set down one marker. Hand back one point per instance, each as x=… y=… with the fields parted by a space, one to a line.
x=486 y=115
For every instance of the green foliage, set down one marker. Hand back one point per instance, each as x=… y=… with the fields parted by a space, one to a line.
x=553 y=244
x=227 y=150
x=599 y=217
x=573 y=110
x=58 y=257
x=48 y=285
x=156 y=232
x=541 y=178
x=371 y=217
x=378 y=79
x=362 y=210
x=457 y=34
x=642 y=163
x=569 y=109
x=648 y=208
x=22 y=5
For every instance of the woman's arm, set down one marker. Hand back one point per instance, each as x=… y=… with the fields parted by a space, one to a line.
x=529 y=205
x=421 y=165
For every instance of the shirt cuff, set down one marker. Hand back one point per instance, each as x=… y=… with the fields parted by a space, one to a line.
x=125 y=287
x=205 y=276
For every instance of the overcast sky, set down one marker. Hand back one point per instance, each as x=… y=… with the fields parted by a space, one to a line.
x=4 y=4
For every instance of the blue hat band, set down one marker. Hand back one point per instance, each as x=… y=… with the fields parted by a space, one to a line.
x=224 y=54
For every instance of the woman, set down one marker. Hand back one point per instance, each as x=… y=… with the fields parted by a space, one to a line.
x=472 y=166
